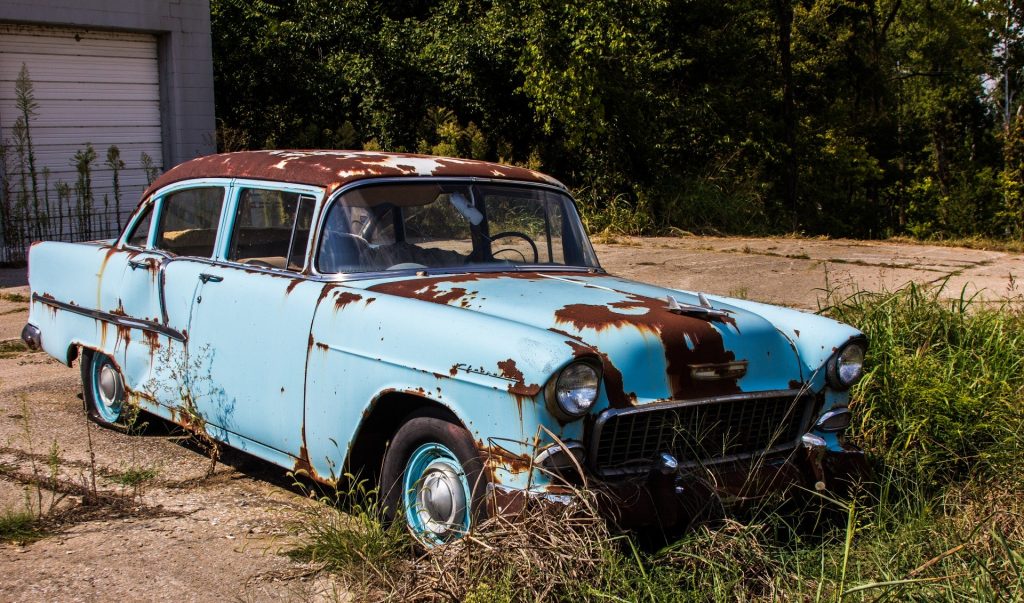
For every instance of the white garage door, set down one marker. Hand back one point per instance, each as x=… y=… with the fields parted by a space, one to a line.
x=90 y=87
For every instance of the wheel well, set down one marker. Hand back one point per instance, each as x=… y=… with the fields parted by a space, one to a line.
x=385 y=416
x=73 y=351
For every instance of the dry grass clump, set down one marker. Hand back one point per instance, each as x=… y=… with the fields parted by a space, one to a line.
x=730 y=560
x=547 y=550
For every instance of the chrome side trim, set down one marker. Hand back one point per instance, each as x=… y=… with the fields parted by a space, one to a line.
x=804 y=397
x=124 y=321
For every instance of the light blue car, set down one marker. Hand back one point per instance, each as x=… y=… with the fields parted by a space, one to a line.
x=443 y=327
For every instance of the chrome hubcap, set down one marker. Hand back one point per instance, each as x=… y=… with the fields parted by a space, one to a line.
x=108 y=386
x=441 y=498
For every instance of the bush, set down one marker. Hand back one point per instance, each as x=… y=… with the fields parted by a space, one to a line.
x=942 y=397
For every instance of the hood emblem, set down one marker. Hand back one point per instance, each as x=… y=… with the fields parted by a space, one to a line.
x=718 y=372
x=704 y=310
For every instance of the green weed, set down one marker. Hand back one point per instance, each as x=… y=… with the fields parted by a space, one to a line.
x=346 y=532
x=972 y=242
x=17 y=298
x=134 y=476
x=941 y=399
x=12 y=348
x=18 y=527
x=615 y=215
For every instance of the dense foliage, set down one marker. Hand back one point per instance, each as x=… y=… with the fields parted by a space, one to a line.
x=846 y=117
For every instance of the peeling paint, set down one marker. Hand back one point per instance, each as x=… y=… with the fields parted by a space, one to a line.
x=332 y=169
x=674 y=330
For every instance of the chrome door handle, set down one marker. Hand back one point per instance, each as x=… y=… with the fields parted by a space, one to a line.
x=210 y=278
x=136 y=265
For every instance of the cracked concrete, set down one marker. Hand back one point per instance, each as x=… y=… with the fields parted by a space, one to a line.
x=798 y=272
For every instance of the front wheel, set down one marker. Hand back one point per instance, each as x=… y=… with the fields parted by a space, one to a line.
x=433 y=480
x=102 y=389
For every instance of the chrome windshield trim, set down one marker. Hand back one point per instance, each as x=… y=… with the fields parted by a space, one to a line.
x=429 y=272
x=124 y=321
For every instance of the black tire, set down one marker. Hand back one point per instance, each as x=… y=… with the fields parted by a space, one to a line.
x=412 y=437
x=103 y=390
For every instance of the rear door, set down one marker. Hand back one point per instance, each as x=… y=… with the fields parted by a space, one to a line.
x=180 y=230
x=139 y=293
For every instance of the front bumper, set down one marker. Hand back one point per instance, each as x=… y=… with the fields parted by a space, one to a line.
x=670 y=497
x=32 y=336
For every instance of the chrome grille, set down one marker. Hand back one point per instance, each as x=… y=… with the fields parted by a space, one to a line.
x=698 y=431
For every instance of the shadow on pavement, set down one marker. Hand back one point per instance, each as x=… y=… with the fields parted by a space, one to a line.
x=13 y=277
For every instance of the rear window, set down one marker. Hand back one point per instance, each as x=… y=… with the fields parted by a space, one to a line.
x=189 y=220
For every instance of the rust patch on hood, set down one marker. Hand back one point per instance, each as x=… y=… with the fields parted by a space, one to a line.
x=427 y=288
x=422 y=289
x=686 y=340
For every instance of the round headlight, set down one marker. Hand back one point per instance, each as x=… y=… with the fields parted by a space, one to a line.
x=576 y=389
x=847 y=366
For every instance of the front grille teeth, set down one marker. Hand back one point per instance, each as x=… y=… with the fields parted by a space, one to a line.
x=699 y=431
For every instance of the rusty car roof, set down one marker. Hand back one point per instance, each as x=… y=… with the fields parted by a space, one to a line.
x=332 y=169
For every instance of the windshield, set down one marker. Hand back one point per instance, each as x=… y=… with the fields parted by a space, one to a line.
x=440 y=225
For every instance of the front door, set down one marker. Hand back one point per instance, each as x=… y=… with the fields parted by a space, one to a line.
x=248 y=335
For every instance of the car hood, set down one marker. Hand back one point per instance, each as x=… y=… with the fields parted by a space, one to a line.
x=648 y=351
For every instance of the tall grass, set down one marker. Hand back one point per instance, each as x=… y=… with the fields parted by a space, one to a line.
x=939 y=412
x=943 y=397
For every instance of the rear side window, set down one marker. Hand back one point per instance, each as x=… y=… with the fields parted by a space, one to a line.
x=140 y=232
x=271 y=228
x=188 y=221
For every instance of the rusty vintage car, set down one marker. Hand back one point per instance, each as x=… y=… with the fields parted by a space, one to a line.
x=443 y=326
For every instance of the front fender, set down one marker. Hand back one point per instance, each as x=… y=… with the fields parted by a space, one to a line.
x=488 y=371
x=814 y=337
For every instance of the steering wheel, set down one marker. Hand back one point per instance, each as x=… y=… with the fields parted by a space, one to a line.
x=360 y=243
x=517 y=234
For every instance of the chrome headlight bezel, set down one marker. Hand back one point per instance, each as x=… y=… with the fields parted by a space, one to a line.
x=563 y=407
x=848 y=358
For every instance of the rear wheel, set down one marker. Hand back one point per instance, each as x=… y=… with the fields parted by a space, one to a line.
x=433 y=480
x=103 y=389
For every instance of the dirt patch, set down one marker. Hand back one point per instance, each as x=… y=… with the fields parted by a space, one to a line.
x=167 y=531
x=797 y=272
